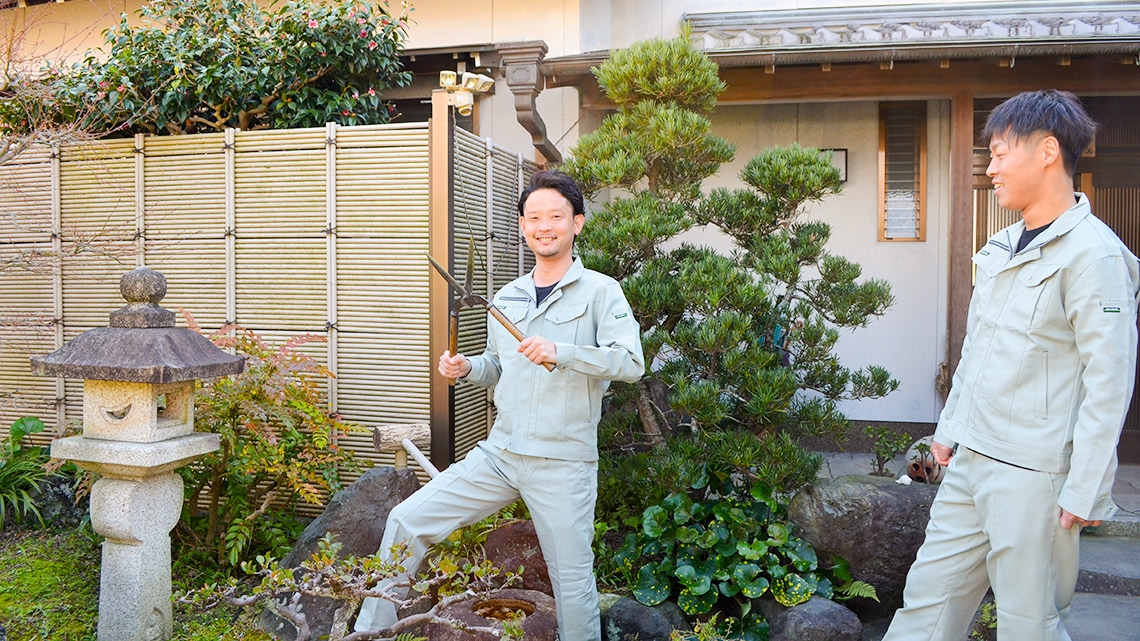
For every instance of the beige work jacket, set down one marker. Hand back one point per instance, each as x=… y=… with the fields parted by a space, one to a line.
x=1049 y=359
x=555 y=414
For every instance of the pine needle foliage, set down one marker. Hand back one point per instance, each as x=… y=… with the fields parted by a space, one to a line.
x=744 y=342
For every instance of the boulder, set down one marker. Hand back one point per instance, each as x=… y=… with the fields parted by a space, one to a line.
x=356 y=516
x=629 y=620
x=606 y=600
x=540 y=624
x=874 y=523
x=515 y=544
x=817 y=619
x=54 y=497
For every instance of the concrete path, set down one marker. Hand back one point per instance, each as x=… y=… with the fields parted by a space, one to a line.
x=1107 y=604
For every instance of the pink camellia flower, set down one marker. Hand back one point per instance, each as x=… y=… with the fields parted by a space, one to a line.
x=313 y=24
x=355 y=94
x=351 y=13
x=122 y=88
x=347 y=112
x=372 y=44
x=371 y=91
x=363 y=33
x=361 y=20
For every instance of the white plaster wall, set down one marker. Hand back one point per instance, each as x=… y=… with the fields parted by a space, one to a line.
x=910 y=339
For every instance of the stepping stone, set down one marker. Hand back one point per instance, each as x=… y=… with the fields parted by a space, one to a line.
x=1110 y=565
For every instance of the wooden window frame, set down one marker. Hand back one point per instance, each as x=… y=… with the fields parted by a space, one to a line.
x=920 y=223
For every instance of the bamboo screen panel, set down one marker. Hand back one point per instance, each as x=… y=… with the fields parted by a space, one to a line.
x=29 y=275
x=318 y=231
x=486 y=184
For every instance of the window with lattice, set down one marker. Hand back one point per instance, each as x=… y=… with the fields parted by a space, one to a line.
x=902 y=171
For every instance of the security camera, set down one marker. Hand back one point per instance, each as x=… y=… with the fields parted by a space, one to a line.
x=447 y=79
x=464 y=102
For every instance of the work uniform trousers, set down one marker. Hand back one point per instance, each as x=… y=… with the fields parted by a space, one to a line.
x=560 y=496
x=991 y=524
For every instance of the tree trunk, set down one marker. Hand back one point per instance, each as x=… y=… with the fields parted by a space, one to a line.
x=647 y=412
x=216 y=495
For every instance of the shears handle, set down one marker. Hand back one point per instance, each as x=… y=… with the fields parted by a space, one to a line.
x=513 y=329
x=453 y=338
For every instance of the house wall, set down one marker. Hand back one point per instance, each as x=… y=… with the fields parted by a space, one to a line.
x=910 y=339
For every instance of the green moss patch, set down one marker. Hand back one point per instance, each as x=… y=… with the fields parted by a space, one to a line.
x=49 y=586
x=49 y=591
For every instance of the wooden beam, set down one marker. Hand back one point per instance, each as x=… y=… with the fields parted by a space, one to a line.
x=441 y=396
x=961 y=225
x=1088 y=189
x=910 y=80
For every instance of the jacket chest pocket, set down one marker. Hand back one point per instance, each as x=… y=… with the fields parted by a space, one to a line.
x=515 y=311
x=1027 y=304
x=565 y=323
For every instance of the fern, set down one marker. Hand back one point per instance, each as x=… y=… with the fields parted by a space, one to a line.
x=856 y=589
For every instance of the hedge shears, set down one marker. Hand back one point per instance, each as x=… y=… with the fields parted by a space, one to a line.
x=468 y=298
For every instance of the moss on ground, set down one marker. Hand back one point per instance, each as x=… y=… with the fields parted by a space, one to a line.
x=49 y=585
x=49 y=591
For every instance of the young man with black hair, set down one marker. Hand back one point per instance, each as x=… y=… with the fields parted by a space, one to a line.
x=1035 y=410
x=542 y=447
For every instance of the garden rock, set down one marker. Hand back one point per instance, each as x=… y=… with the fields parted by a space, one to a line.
x=817 y=619
x=874 y=523
x=606 y=600
x=55 y=499
x=515 y=544
x=629 y=620
x=540 y=624
x=356 y=517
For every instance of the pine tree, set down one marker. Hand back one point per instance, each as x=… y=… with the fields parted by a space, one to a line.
x=743 y=341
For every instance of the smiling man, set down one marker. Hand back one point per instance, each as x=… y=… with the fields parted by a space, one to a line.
x=543 y=445
x=1035 y=410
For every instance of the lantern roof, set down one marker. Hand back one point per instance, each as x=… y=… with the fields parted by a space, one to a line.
x=142 y=345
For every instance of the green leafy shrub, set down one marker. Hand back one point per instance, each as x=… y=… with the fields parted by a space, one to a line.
x=22 y=469
x=729 y=460
x=703 y=550
x=191 y=66
x=887 y=445
x=278 y=448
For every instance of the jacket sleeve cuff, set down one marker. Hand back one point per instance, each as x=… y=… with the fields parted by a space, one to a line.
x=1098 y=509
x=567 y=354
x=480 y=373
x=942 y=435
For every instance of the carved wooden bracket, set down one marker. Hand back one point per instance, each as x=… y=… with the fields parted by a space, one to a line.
x=520 y=62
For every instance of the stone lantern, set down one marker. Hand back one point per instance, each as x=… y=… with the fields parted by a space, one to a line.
x=138 y=427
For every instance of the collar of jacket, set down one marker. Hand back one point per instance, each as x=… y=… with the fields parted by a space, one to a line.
x=574 y=273
x=1060 y=226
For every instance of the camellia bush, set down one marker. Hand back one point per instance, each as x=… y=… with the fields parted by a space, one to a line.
x=196 y=66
